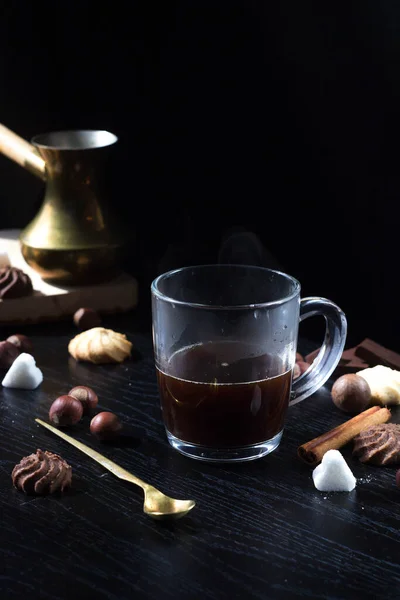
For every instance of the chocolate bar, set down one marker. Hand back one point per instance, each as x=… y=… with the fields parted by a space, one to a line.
x=375 y=354
x=346 y=357
x=350 y=366
x=349 y=362
x=366 y=354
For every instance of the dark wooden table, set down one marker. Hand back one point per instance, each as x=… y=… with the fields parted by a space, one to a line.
x=260 y=530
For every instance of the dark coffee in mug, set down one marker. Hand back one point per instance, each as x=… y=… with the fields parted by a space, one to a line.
x=225 y=340
x=222 y=394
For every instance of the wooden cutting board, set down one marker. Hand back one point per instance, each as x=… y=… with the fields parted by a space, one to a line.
x=50 y=302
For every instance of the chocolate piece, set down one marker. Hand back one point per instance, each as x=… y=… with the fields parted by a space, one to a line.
x=86 y=318
x=22 y=342
x=346 y=356
x=14 y=283
x=350 y=366
x=348 y=363
x=378 y=445
x=42 y=473
x=375 y=354
x=8 y=353
x=349 y=354
x=348 y=359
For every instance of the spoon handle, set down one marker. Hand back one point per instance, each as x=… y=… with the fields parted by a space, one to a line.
x=105 y=462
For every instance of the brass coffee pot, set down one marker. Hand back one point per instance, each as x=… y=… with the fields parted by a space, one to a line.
x=73 y=238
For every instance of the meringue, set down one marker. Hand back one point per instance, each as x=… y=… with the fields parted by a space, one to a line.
x=378 y=445
x=99 y=346
x=23 y=373
x=42 y=473
x=384 y=383
x=14 y=283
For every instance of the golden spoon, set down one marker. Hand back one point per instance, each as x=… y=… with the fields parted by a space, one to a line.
x=156 y=504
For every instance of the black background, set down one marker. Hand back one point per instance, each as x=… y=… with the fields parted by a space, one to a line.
x=275 y=119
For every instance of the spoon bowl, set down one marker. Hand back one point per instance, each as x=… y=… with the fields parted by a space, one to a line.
x=159 y=506
x=156 y=504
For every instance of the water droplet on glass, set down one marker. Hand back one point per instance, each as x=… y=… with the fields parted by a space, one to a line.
x=285 y=327
x=256 y=314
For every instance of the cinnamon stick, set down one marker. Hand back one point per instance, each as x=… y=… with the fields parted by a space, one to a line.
x=313 y=451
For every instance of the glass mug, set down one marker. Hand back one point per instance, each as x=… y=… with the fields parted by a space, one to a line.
x=225 y=341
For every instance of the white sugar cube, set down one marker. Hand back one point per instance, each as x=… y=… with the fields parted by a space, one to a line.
x=333 y=474
x=23 y=373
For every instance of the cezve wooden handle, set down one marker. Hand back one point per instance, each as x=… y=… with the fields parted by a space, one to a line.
x=22 y=152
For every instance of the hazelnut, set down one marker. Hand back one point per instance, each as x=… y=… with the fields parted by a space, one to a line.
x=8 y=353
x=86 y=318
x=105 y=425
x=299 y=357
x=296 y=371
x=66 y=410
x=22 y=342
x=351 y=393
x=85 y=395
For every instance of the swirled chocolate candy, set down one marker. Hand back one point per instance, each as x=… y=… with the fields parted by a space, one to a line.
x=14 y=283
x=42 y=473
x=378 y=445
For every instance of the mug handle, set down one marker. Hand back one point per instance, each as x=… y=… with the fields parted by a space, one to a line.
x=331 y=349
